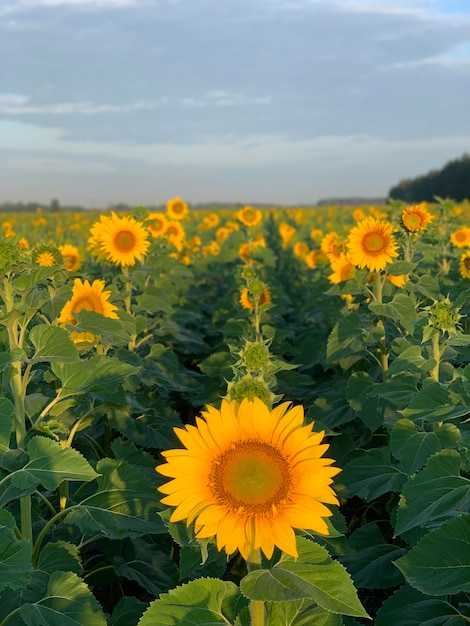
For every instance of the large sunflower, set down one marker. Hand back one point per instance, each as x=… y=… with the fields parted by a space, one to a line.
x=90 y=297
x=416 y=218
x=122 y=240
x=248 y=476
x=371 y=244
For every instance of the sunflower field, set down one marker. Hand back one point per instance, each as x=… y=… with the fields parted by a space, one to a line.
x=248 y=417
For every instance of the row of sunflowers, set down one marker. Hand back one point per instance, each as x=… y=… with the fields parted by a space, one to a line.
x=247 y=417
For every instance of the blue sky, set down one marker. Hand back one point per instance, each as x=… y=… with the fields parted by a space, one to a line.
x=275 y=101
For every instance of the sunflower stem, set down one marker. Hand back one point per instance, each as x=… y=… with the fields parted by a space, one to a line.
x=256 y=606
x=436 y=355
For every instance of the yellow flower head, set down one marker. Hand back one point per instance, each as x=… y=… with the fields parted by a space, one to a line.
x=90 y=297
x=71 y=256
x=248 y=476
x=211 y=249
x=175 y=234
x=210 y=221
x=286 y=231
x=301 y=249
x=461 y=237
x=331 y=245
x=464 y=264
x=342 y=268
x=122 y=240
x=46 y=256
x=176 y=209
x=371 y=244
x=311 y=259
x=416 y=218
x=247 y=302
x=156 y=223
x=250 y=216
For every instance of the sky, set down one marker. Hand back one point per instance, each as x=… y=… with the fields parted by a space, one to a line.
x=282 y=102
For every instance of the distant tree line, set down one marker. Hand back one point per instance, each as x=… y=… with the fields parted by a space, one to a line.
x=452 y=181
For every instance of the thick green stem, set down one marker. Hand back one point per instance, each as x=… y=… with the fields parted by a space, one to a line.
x=257 y=611
x=45 y=530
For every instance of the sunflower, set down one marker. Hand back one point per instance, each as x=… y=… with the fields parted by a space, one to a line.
x=371 y=244
x=311 y=259
x=248 y=476
x=461 y=237
x=464 y=264
x=176 y=209
x=46 y=256
x=300 y=249
x=90 y=297
x=286 y=231
x=122 y=240
x=210 y=221
x=211 y=249
x=247 y=301
x=156 y=223
x=342 y=268
x=175 y=234
x=250 y=216
x=416 y=218
x=398 y=279
x=71 y=256
x=331 y=245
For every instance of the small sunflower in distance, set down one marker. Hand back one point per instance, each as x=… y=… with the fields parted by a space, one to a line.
x=461 y=237
x=247 y=302
x=46 y=256
x=248 y=476
x=342 y=268
x=71 y=256
x=415 y=218
x=464 y=264
x=90 y=297
x=250 y=216
x=371 y=244
x=176 y=209
x=122 y=240
x=156 y=223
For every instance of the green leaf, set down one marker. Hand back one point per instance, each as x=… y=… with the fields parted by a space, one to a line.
x=300 y=613
x=192 y=564
x=112 y=330
x=347 y=337
x=127 y=612
x=68 y=602
x=15 y=560
x=142 y=562
x=413 y=447
x=440 y=563
x=125 y=504
x=410 y=360
x=7 y=408
x=52 y=344
x=409 y=607
x=50 y=464
x=371 y=475
x=435 y=403
x=314 y=575
x=60 y=556
x=203 y=602
x=95 y=372
x=398 y=268
x=371 y=565
x=217 y=365
x=436 y=492
x=368 y=408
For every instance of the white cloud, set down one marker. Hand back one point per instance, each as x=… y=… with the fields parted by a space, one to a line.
x=16 y=104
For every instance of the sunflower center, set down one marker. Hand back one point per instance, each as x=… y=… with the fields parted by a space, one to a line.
x=374 y=243
x=124 y=241
x=87 y=302
x=252 y=476
x=414 y=220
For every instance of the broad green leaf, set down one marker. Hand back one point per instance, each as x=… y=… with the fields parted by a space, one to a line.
x=300 y=613
x=413 y=447
x=60 y=556
x=369 y=409
x=434 y=403
x=440 y=563
x=371 y=475
x=409 y=607
x=218 y=365
x=398 y=268
x=113 y=330
x=10 y=602
x=397 y=390
x=52 y=344
x=153 y=429
x=125 y=504
x=142 y=562
x=7 y=409
x=127 y=612
x=314 y=575
x=15 y=560
x=347 y=337
x=202 y=602
x=34 y=277
x=50 y=464
x=436 y=492
x=370 y=564
x=68 y=602
x=192 y=564
x=97 y=371
x=5 y=360
x=410 y=360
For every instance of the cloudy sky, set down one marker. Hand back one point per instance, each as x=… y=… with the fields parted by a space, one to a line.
x=276 y=101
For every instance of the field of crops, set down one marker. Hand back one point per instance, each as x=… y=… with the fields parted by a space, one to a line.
x=300 y=378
